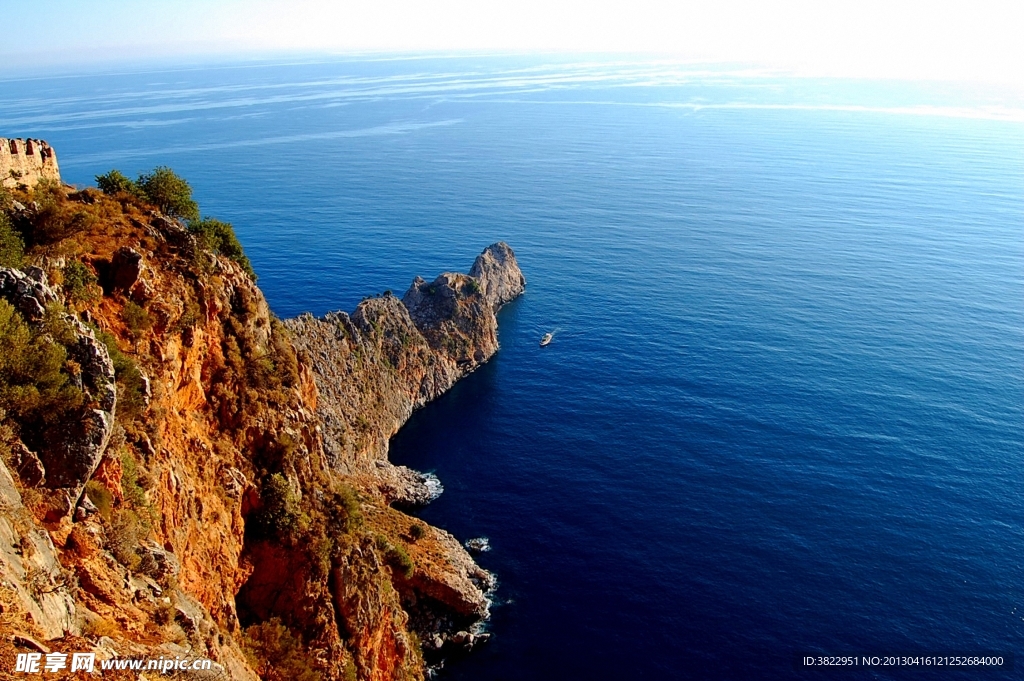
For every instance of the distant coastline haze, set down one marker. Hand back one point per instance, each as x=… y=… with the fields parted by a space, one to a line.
x=951 y=41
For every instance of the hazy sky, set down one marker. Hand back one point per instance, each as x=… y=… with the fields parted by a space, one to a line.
x=978 y=40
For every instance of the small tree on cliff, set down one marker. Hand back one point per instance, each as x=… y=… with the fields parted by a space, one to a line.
x=115 y=182
x=220 y=237
x=171 y=194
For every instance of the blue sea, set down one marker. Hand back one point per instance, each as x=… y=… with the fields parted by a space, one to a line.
x=782 y=410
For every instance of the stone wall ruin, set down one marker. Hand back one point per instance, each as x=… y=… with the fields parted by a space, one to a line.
x=26 y=162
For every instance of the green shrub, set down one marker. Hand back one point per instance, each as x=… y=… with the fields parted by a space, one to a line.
x=350 y=672
x=397 y=557
x=276 y=653
x=279 y=514
x=170 y=193
x=134 y=495
x=131 y=387
x=189 y=316
x=12 y=246
x=343 y=510
x=115 y=182
x=36 y=389
x=416 y=531
x=101 y=498
x=219 y=237
x=136 y=318
x=80 y=284
x=124 y=533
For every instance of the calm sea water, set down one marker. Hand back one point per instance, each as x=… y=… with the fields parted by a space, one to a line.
x=782 y=411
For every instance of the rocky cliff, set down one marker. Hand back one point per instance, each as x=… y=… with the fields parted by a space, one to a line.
x=182 y=474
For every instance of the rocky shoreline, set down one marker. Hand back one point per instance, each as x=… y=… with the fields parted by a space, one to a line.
x=415 y=348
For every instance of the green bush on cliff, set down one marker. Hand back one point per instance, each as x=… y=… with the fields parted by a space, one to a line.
x=279 y=515
x=173 y=196
x=396 y=557
x=131 y=386
x=36 y=386
x=115 y=182
x=344 y=510
x=276 y=654
x=171 y=193
x=124 y=532
x=80 y=284
x=101 y=498
x=136 y=318
x=12 y=246
x=134 y=494
x=219 y=237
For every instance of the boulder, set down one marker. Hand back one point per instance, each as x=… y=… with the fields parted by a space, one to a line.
x=126 y=268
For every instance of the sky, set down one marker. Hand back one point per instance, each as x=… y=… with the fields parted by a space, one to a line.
x=976 y=41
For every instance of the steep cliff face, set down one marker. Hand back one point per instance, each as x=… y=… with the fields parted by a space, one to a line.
x=226 y=492
x=392 y=356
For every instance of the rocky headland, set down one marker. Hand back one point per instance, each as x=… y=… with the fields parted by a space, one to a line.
x=183 y=474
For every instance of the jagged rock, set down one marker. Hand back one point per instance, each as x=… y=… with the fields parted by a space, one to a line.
x=28 y=294
x=408 y=488
x=373 y=368
x=27 y=464
x=436 y=334
x=478 y=544
x=500 y=277
x=147 y=393
x=167 y=564
x=144 y=444
x=234 y=482
x=174 y=232
x=85 y=509
x=141 y=292
x=71 y=460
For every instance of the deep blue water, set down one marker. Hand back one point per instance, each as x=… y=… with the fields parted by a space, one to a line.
x=782 y=411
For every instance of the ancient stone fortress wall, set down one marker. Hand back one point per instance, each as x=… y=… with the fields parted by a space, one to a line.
x=26 y=162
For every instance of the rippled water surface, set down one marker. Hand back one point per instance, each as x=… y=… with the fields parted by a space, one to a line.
x=782 y=407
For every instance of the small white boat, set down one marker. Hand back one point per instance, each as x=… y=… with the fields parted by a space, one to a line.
x=545 y=340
